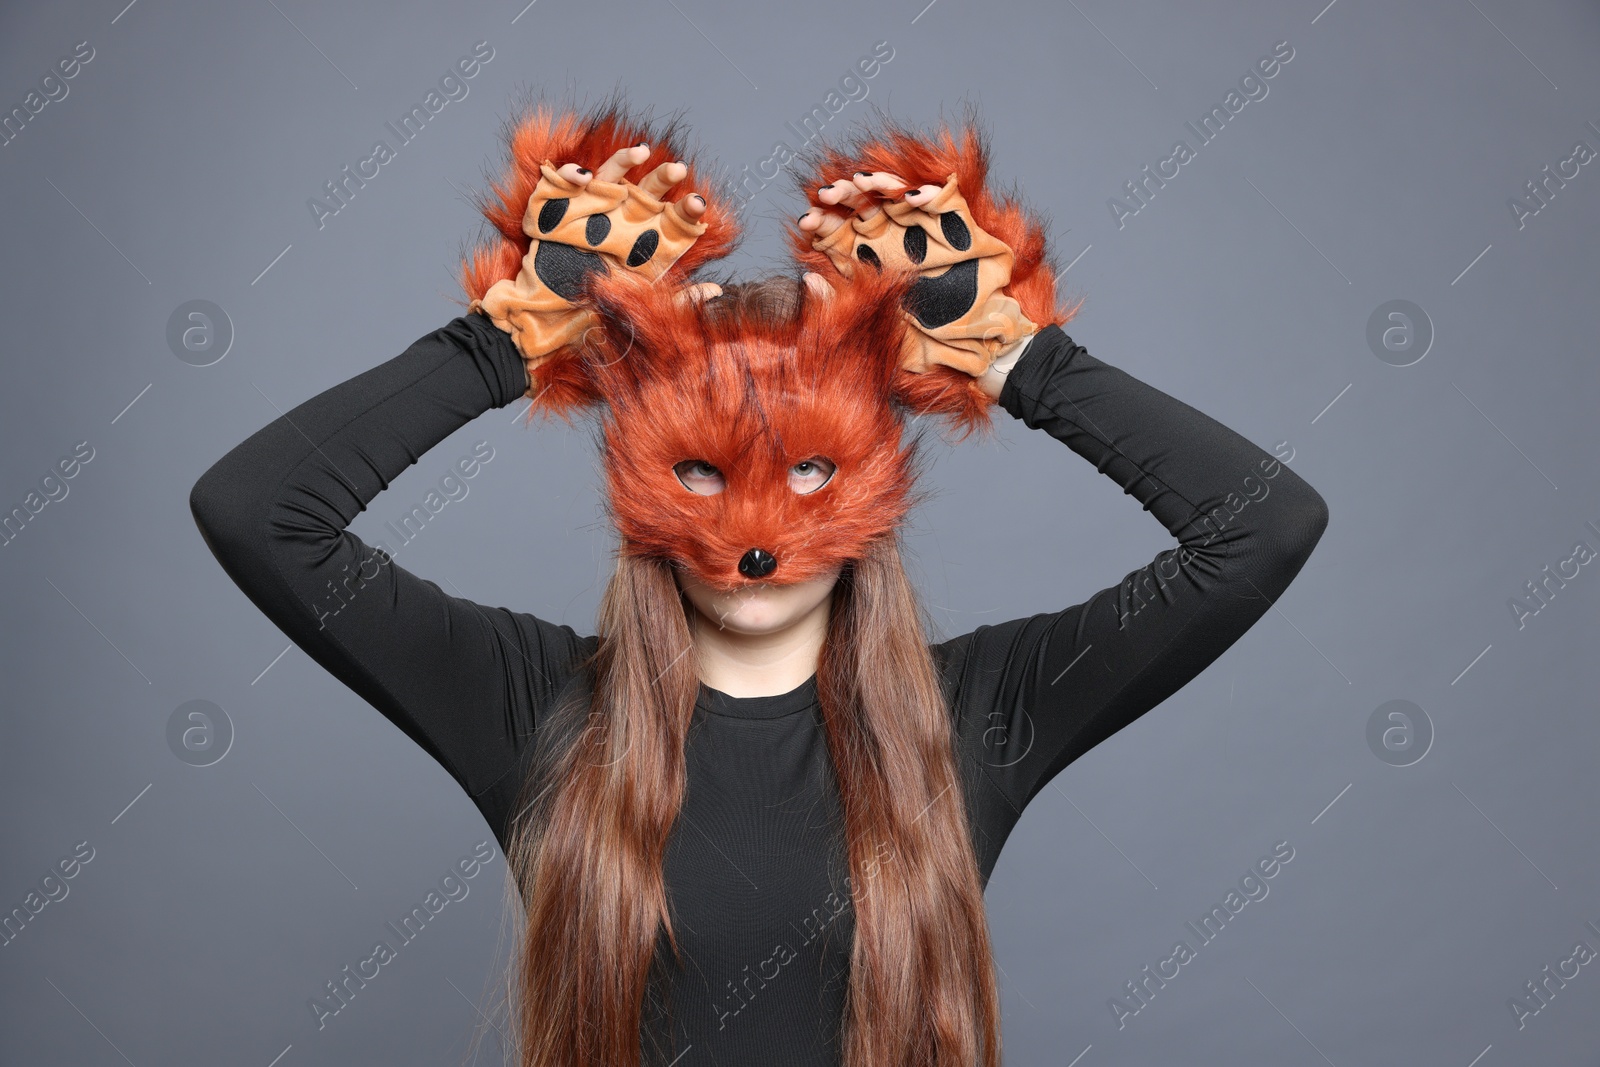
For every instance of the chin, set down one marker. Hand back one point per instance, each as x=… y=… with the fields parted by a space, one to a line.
x=764 y=609
x=761 y=608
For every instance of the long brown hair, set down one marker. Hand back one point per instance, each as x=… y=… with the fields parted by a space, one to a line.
x=608 y=780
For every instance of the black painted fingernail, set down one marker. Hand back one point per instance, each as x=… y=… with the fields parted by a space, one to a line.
x=642 y=144
x=863 y=174
x=680 y=163
x=583 y=170
x=698 y=197
x=828 y=186
x=803 y=217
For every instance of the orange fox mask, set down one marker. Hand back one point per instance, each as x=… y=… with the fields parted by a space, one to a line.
x=752 y=397
x=751 y=393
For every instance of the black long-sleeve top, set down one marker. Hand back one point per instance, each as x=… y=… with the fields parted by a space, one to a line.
x=755 y=867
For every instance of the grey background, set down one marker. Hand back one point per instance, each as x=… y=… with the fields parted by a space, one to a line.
x=1378 y=167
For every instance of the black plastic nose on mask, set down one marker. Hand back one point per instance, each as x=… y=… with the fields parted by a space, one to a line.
x=757 y=563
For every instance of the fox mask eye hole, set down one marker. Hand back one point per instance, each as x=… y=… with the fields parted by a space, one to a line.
x=812 y=474
x=698 y=476
x=807 y=476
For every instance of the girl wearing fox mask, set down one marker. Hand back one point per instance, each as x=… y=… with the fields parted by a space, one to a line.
x=751 y=818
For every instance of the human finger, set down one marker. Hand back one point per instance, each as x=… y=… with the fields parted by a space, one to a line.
x=827 y=222
x=843 y=193
x=881 y=182
x=818 y=284
x=922 y=194
x=813 y=220
x=622 y=161
x=700 y=292
x=664 y=177
x=689 y=208
x=575 y=174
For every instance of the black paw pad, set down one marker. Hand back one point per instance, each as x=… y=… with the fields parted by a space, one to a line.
x=564 y=269
x=955 y=231
x=595 y=230
x=551 y=214
x=866 y=255
x=644 y=248
x=942 y=300
x=916 y=242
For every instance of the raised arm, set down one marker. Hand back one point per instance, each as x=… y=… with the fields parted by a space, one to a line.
x=462 y=680
x=468 y=683
x=1036 y=693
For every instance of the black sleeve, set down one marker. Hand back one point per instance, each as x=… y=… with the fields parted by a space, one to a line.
x=1034 y=694
x=462 y=680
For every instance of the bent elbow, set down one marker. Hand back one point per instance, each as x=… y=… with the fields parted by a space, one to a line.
x=209 y=501
x=1316 y=517
x=203 y=504
x=1302 y=527
x=1315 y=520
x=208 y=512
x=224 y=508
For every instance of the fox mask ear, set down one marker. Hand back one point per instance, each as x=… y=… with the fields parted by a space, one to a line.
x=650 y=339
x=651 y=336
x=939 y=391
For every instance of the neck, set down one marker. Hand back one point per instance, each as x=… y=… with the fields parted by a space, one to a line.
x=766 y=664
